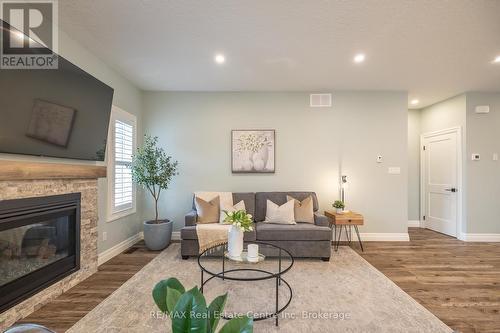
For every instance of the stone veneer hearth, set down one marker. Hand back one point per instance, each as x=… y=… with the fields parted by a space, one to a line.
x=88 y=247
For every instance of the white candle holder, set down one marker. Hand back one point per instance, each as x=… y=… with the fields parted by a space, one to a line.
x=253 y=251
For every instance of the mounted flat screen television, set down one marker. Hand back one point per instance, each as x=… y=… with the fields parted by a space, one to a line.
x=61 y=112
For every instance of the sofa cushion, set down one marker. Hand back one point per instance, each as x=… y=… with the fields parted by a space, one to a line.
x=190 y=233
x=279 y=198
x=248 y=199
x=299 y=231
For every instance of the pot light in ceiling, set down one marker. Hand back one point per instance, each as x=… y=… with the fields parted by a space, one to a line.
x=414 y=101
x=359 y=58
x=496 y=60
x=220 y=59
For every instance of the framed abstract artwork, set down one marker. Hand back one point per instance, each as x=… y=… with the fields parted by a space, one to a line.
x=253 y=151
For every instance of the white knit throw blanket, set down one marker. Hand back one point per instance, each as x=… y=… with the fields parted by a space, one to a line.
x=211 y=234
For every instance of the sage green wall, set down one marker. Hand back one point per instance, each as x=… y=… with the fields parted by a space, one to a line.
x=127 y=97
x=446 y=114
x=413 y=165
x=195 y=129
x=483 y=177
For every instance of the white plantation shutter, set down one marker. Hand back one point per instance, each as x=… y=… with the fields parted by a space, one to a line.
x=123 y=189
x=122 y=139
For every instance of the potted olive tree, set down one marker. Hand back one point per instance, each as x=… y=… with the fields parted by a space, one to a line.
x=153 y=170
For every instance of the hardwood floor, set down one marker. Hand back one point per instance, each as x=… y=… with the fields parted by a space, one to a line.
x=458 y=282
x=63 y=312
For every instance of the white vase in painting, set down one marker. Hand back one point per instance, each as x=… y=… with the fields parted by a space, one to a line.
x=260 y=158
x=246 y=164
x=235 y=242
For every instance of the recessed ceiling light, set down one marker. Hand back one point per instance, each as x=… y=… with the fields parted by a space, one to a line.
x=414 y=101
x=220 y=59
x=359 y=58
x=497 y=60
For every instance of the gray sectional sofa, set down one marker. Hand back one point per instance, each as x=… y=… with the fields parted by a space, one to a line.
x=302 y=240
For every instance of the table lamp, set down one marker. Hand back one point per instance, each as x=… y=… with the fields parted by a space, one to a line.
x=343 y=188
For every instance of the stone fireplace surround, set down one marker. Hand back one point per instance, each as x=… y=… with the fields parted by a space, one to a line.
x=24 y=184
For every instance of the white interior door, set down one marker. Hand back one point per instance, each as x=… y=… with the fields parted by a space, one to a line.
x=440 y=181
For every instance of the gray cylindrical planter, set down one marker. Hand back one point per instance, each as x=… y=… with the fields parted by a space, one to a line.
x=157 y=236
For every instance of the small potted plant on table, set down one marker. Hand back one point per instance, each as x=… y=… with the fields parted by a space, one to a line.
x=153 y=170
x=339 y=206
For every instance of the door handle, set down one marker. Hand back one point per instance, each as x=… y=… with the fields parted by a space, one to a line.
x=451 y=189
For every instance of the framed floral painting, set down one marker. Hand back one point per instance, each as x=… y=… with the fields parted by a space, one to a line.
x=253 y=151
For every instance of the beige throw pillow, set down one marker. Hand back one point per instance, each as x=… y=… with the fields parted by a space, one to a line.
x=207 y=211
x=239 y=206
x=225 y=200
x=304 y=210
x=280 y=214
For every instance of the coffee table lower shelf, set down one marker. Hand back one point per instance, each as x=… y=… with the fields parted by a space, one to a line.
x=229 y=274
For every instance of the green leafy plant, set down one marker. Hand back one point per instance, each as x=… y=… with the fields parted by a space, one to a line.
x=153 y=169
x=239 y=218
x=189 y=312
x=338 y=204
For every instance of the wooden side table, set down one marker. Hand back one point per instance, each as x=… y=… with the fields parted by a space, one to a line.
x=343 y=220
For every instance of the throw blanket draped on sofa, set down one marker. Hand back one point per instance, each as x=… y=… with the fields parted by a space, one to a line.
x=211 y=234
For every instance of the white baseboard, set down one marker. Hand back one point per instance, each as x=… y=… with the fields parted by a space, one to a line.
x=480 y=237
x=385 y=237
x=118 y=248
x=414 y=224
x=378 y=237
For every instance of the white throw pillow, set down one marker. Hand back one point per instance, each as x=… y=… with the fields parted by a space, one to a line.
x=283 y=214
x=239 y=206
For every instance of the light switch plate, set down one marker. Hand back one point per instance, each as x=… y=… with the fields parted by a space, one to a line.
x=394 y=170
x=495 y=156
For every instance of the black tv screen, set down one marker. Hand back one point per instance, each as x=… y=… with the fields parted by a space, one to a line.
x=61 y=112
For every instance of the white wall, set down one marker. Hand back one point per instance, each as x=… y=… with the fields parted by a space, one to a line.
x=413 y=165
x=127 y=97
x=483 y=177
x=310 y=144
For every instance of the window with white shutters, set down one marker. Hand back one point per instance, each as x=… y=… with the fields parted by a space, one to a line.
x=121 y=189
x=124 y=134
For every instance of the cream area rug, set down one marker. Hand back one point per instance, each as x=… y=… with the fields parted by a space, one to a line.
x=346 y=294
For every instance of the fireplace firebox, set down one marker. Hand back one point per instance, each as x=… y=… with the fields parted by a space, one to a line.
x=39 y=244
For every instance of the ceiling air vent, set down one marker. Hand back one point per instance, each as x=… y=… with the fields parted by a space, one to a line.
x=320 y=100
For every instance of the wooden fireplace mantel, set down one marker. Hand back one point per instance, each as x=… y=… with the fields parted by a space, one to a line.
x=27 y=170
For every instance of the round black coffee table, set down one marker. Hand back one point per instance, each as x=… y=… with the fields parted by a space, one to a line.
x=277 y=262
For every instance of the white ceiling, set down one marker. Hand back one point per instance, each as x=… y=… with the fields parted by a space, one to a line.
x=433 y=49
